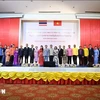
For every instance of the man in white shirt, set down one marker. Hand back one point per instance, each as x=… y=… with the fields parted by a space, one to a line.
x=51 y=53
x=65 y=59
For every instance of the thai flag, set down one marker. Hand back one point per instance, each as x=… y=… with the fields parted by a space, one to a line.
x=42 y=22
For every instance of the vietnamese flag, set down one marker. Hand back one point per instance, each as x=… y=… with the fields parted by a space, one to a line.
x=57 y=23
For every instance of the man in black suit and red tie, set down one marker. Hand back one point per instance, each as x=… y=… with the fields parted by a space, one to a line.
x=90 y=57
x=60 y=55
x=26 y=53
x=31 y=53
x=81 y=55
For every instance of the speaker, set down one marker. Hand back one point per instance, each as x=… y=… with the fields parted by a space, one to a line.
x=49 y=64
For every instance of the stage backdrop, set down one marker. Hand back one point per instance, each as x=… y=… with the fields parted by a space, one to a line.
x=50 y=32
x=90 y=31
x=9 y=31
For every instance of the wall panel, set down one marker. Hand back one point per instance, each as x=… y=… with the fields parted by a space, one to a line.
x=9 y=31
x=90 y=32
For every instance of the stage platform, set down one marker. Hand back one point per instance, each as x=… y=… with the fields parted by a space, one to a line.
x=49 y=69
x=50 y=75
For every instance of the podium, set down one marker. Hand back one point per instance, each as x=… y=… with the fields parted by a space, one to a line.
x=49 y=64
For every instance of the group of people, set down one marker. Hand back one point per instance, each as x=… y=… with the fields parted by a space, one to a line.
x=11 y=55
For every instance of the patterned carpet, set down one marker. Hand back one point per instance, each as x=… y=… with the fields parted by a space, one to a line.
x=50 y=92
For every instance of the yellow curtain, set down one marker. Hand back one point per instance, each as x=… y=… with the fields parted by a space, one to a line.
x=51 y=75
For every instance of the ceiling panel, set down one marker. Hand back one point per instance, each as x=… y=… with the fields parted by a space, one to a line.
x=49 y=0
x=62 y=6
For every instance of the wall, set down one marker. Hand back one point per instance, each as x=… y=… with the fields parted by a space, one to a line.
x=90 y=31
x=9 y=31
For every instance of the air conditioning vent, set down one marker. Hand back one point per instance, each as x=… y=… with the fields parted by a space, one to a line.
x=49 y=12
x=7 y=12
x=92 y=11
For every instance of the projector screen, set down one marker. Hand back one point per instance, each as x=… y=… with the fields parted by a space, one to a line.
x=33 y=32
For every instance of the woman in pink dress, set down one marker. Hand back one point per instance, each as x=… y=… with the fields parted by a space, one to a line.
x=36 y=54
x=41 y=58
x=69 y=54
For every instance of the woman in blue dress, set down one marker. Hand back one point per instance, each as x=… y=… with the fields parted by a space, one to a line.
x=96 y=55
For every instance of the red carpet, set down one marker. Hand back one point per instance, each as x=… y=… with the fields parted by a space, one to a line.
x=50 y=92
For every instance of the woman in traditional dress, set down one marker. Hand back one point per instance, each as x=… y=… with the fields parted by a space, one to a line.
x=96 y=55
x=15 y=63
x=7 y=56
x=41 y=58
x=55 y=59
x=36 y=55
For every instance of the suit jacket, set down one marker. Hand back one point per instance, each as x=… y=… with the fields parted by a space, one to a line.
x=91 y=52
x=60 y=53
x=80 y=52
x=26 y=51
x=99 y=52
x=31 y=52
x=4 y=49
x=20 y=52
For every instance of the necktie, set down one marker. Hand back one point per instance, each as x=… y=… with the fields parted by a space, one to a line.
x=80 y=51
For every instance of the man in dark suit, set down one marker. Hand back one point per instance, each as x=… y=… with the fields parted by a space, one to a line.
x=26 y=53
x=20 y=54
x=90 y=57
x=81 y=55
x=99 y=53
x=31 y=53
x=60 y=55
